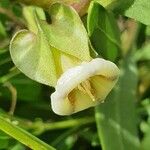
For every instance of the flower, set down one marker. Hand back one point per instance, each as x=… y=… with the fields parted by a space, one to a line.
x=84 y=86
x=58 y=55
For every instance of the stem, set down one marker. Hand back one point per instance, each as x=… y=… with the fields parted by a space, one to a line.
x=68 y=123
x=39 y=127
x=13 y=91
x=23 y=136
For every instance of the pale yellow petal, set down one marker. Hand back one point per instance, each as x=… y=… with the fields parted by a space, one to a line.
x=84 y=86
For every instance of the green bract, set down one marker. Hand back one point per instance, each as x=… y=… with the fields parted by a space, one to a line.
x=29 y=15
x=67 y=33
x=37 y=52
x=31 y=54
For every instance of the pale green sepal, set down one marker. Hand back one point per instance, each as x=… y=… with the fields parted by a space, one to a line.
x=29 y=15
x=66 y=32
x=32 y=55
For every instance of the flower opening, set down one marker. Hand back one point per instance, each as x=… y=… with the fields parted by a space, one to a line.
x=84 y=86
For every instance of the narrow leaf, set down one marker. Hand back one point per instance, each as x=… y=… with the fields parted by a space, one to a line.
x=116 y=119
x=145 y=144
x=23 y=136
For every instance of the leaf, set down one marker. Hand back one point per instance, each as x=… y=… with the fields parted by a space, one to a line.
x=145 y=144
x=145 y=124
x=66 y=32
x=23 y=136
x=116 y=118
x=103 y=31
x=139 y=11
x=116 y=5
x=32 y=55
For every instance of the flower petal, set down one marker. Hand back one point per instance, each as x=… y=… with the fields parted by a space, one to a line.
x=68 y=99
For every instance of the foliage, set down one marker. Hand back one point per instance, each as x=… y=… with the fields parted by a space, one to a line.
x=116 y=30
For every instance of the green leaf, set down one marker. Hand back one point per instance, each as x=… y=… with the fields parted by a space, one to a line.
x=66 y=32
x=117 y=5
x=145 y=144
x=23 y=136
x=103 y=31
x=116 y=119
x=145 y=124
x=140 y=11
x=32 y=55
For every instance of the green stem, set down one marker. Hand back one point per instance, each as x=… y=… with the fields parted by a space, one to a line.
x=13 y=92
x=23 y=136
x=69 y=123
x=39 y=127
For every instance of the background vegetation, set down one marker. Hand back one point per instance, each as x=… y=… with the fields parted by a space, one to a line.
x=119 y=32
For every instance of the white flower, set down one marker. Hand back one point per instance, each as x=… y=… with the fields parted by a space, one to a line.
x=84 y=86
